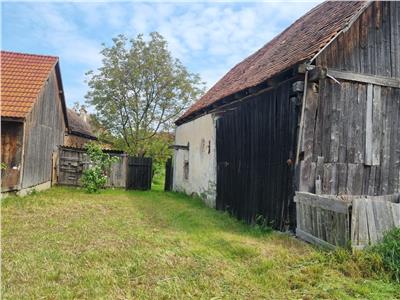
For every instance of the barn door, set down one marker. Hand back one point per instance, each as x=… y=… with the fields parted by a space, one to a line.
x=11 y=152
x=255 y=145
x=139 y=173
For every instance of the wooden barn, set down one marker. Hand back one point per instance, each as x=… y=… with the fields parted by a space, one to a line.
x=33 y=119
x=79 y=130
x=316 y=110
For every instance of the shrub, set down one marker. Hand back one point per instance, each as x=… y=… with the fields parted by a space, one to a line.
x=95 y=177
x=389 y=250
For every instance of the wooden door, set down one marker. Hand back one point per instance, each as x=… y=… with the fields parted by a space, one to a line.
x=11 y=152
x=255 y=146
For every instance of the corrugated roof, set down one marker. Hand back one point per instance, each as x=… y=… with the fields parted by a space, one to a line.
x=299 y=42
x=22 y=78
x=78 y=125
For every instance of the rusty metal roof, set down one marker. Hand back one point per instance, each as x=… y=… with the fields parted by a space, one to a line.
x=298 y=43
x=22 y=78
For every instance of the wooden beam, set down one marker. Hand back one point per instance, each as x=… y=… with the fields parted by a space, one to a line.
x=312 y=239
x=327 y=202
x=372 y=79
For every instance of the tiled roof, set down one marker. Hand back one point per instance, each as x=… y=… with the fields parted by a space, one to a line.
x=22 y=77
x=299 y=42
x=78 y=125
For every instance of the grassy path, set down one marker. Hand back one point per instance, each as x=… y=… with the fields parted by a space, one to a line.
x=64 y=243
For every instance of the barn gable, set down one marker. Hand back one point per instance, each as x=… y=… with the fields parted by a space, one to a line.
x=23 y=77
x=33 y=105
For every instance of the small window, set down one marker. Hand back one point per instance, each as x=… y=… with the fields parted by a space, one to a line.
x=186 y=170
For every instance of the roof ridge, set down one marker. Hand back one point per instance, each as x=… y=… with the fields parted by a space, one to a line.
x=28 y=54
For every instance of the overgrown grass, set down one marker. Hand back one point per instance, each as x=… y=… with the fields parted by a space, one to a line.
x=389 y=251
x=65 y=243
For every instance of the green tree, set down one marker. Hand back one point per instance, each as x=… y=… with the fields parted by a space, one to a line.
x=94 y=178
x=140 y=90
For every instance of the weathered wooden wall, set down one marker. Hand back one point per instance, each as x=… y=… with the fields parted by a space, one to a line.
x=73 y=161
x=11 y=150
x=44 y=131
x=371 y=45
x=255 y=141
x=351 y=137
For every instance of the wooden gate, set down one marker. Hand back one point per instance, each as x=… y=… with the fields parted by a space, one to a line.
x=255 y=149
x=168 y=175
x=139 y=173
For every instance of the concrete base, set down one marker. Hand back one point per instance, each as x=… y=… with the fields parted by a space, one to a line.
x=38 y=188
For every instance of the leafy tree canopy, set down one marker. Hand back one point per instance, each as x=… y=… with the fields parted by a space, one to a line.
x=140 y=90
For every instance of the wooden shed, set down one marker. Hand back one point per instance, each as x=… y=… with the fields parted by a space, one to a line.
x=79 y=130
x=33 y=119
x=316 y=110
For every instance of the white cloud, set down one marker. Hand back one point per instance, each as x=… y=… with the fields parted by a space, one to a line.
x=209 y=38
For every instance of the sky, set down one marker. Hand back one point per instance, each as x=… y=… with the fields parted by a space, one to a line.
x=209 y=38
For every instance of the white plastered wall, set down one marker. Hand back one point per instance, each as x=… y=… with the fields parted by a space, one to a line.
x=201 y=156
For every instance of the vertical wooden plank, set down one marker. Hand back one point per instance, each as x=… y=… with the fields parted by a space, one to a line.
x=327 y=181
x=368 y=126
x=371 y=182
x=371 y=222
x=342 y=178
x=335 y=129
x=395 y=37
x=354 y=223
x=376 y=125
x=311 y=104
x=385 y=146
x=354 y=179
x=363 y=237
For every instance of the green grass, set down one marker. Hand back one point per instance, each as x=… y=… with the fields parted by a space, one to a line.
x=65 y=243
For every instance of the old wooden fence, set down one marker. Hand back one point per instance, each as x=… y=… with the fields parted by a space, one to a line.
x=128 y=172
x=345 y=220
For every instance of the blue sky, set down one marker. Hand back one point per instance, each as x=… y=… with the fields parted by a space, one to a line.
x=209 y=38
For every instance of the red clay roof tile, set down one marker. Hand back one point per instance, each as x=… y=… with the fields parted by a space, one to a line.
x=22 y=77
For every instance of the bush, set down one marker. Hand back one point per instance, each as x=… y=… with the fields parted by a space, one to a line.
x=389 y=250
x=95 y=177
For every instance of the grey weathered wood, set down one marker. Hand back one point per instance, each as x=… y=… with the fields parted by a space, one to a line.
x=368 y=126
x=306 y=171
x=322 y=201
x=312 y=239
x=372 y=217
x=319 y=174
x=365 y=78
x=354 y=179
x=373 y=237
x=44 y=132
x=327 y=181
x=341 y=178
x=376 y=125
